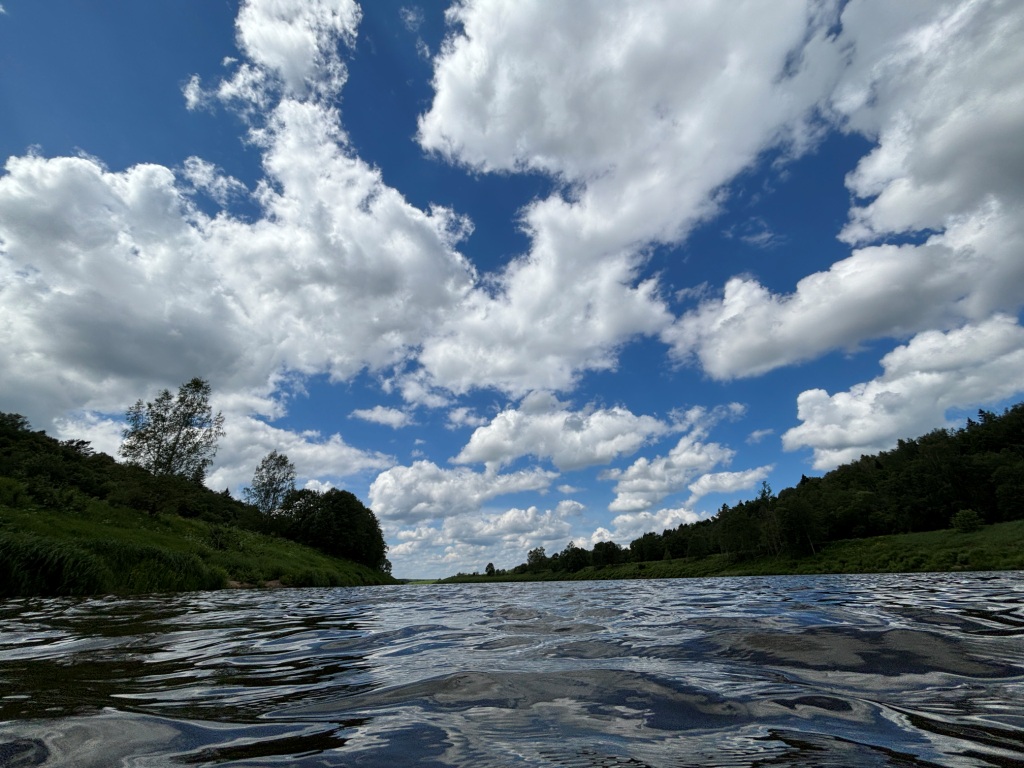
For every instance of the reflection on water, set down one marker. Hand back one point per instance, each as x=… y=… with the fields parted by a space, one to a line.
x=893 y=670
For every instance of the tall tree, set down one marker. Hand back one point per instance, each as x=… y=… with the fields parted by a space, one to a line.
x=174 y=435
x=273 y=480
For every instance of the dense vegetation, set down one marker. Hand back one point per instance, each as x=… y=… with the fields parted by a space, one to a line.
x=997 y=547
x=961 y=479
x=74 y=521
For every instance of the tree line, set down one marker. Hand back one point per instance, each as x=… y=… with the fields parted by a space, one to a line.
x=168 y=445
x=959 y=478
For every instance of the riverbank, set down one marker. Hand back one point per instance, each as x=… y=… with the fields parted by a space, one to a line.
x=102 y=549
x=998 y=547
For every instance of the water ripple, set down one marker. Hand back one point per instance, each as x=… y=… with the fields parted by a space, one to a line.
x=893 y=670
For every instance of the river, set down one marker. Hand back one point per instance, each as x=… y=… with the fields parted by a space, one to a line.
x=878 y=670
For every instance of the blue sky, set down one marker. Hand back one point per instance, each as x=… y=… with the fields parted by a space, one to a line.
x=515 y=274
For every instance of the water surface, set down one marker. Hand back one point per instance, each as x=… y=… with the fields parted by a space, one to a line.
x=889 y=670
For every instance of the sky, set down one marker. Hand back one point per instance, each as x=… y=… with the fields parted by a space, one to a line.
x=515 y=273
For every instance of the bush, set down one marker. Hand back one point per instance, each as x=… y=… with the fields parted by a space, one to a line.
x=967 y=521
x=12 y=492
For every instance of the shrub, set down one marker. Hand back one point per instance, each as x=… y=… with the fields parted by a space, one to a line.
x=967 y=521
x=12 y=492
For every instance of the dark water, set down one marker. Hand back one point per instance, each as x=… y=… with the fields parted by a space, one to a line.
x=896 y=670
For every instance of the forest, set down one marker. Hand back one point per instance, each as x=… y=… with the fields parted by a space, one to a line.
x=958 y=478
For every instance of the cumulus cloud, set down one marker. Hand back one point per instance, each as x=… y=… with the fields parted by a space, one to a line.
x=934 y=372
x=297 y=42
x=315 y=456
x=464 y=417
x=467 y=543
x=631 y=525
x=638 y=140
x=391 y=417
x=119 y=281
x=546 y=428
x=206 y=177
x=934 y=85
x=647 y=481
x=726 y=482
x=425 y=491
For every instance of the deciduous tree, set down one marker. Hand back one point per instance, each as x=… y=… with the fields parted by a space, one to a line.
x=174 y=435
x=273 y=480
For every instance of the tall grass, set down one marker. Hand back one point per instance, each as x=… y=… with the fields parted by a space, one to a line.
x=103 y=549
x=33 y=565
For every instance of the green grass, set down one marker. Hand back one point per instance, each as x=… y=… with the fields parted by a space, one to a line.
x=94 y=548
x=991 y=548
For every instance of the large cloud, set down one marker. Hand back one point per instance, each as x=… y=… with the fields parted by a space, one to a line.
x=654 y=107
x=545 y=428
x=425 y=491
x=113 y=282
x=937 y=86
x=921 y=381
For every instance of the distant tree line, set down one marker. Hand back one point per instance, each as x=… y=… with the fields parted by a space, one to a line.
x=168 y=445
x=960 y=478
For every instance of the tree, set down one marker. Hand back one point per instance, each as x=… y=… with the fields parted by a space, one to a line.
x=174 y=435
x=273 y=480
x=489 y=570
x=536 y=560
x=336 y=523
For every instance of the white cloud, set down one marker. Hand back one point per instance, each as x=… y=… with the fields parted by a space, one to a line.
x=425 y=491
x=316 y=458
x=647 y=481
x=545 y=428
x=391 y=417
x=114 y=283
x=464 y=417
x=758 y=435
x=297 y=41
x=467 y=543
x=103 y=434
x=726 y=482
x=207 y=178
x=195 y=96
x=922 y=380
x=631 y=525
x=937 y=86
x=654 y=108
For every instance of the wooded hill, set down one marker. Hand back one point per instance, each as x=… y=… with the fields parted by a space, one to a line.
x=961 y=478
x=74 y=521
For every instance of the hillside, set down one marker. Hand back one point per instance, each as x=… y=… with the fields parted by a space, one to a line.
x=76 y=522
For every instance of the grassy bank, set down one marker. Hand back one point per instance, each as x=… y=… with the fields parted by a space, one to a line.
x=97 y=548
x=993 y=547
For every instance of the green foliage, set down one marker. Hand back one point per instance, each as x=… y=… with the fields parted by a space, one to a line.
x=273 y=480
x=12 y=492
x=34 y=565
x=336 y=523
x=967 y=521
x=73 y=521
x=174 y=435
